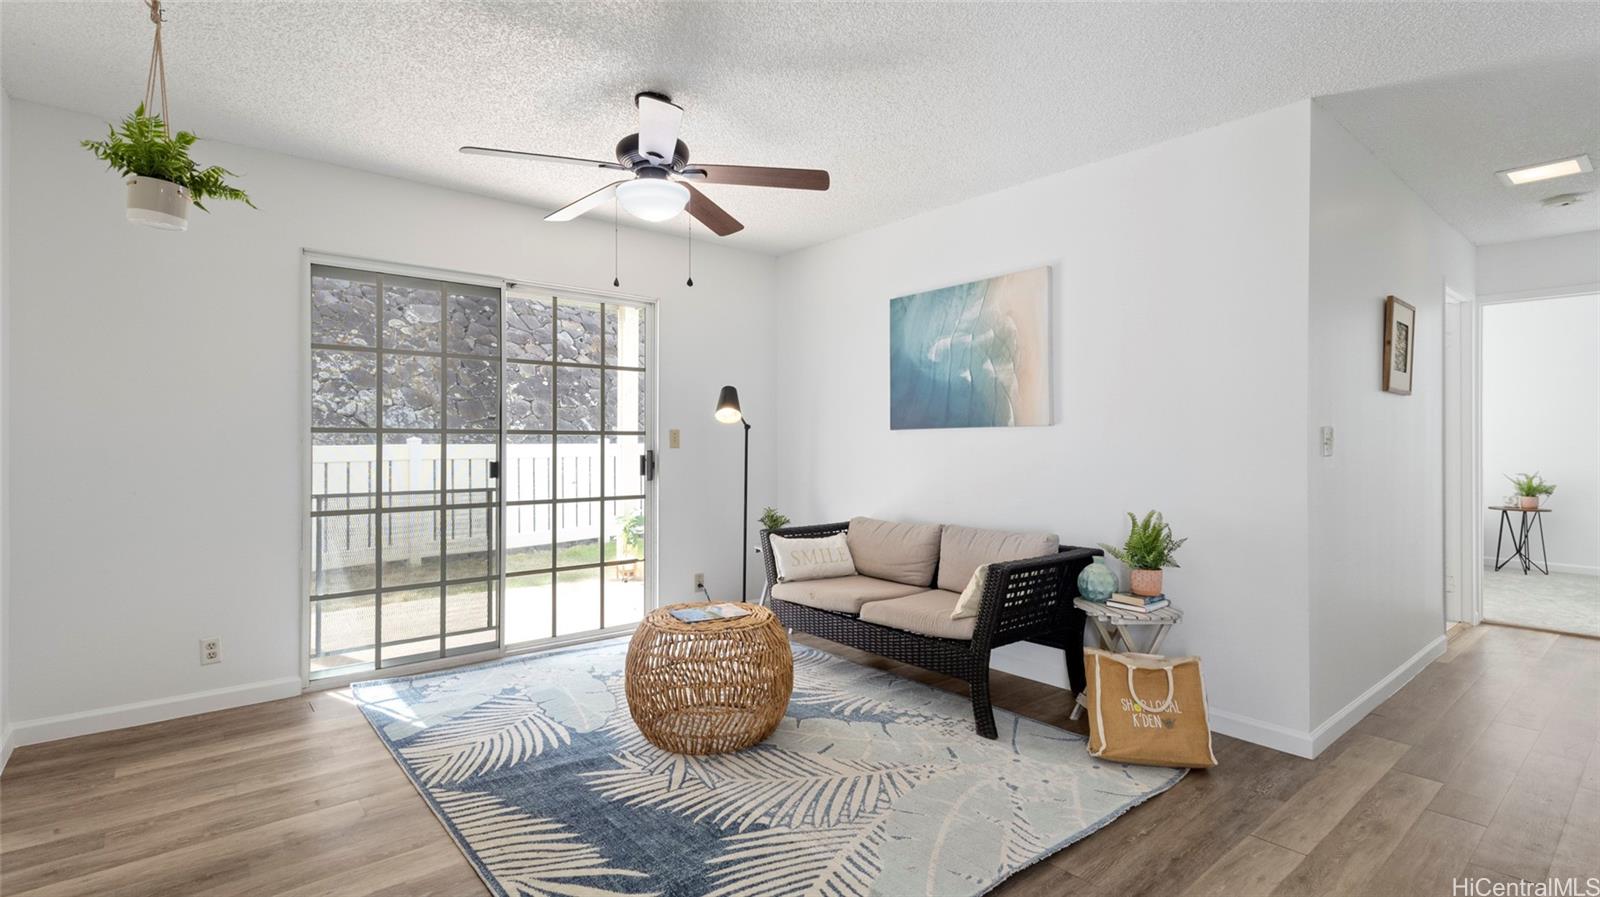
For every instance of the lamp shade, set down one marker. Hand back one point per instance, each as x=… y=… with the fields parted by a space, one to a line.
x=653 y=199
x=728 y=410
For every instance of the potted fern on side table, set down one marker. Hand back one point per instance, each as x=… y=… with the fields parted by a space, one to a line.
x=1531 y=490
x=1148 y=548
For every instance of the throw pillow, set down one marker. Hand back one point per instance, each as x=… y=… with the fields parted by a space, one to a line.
x=802 y=559
x=972 y=595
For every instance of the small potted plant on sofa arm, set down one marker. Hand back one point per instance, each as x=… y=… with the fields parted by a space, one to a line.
x=162 y=180
x=1530 y=489
x=1148 y=548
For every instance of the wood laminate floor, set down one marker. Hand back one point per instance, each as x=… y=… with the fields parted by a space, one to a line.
x=1485 y=765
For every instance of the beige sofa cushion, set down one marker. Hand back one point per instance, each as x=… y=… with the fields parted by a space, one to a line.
x=962 y=550
x=898 y=552
x=844 y=594
x=925 y=613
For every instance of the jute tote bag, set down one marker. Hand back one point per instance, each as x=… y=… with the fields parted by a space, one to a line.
x=1147 y=709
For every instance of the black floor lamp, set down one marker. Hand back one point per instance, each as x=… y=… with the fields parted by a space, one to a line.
x=728 y=412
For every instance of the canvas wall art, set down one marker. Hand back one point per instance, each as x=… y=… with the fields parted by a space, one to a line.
x=973 y=355
x=1399 y=345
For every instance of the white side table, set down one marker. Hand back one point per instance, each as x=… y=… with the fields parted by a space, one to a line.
x=1116 y=629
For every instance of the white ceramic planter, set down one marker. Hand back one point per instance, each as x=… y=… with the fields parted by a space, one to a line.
x=157 y=203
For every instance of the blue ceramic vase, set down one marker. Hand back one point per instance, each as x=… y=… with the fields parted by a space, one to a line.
x=1097 y=582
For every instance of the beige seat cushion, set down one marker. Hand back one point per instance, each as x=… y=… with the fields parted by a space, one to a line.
x=962 y=550
x=925 y=613
x=898 y=552
x=843 y=594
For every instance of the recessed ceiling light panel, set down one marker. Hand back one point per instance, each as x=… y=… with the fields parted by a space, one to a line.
x=1560 y=168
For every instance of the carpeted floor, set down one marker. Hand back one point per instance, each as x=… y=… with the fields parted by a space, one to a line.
x=1560 y=602
x=872 y=784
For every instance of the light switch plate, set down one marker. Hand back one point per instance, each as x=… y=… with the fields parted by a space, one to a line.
x=1327 y=442
x=672 y=439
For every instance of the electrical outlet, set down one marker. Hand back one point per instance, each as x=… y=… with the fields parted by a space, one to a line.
x=699 y=582
x=210 y=650
x=1327 y=442
x=672 y=439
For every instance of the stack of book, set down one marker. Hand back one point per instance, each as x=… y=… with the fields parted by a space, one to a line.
x=1138 y=604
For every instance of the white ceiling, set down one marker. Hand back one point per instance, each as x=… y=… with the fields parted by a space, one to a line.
x=1447 y=136
x=910 y=106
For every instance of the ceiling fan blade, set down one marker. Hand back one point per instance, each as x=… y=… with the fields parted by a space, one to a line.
x=758 y=176
x=573 y=210
x=540 y=157
x=658 y=128
x=711 y=215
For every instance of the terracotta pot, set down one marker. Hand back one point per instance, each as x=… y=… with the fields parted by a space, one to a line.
x=157 y=203
x=1528 y=502
x=1145 y=583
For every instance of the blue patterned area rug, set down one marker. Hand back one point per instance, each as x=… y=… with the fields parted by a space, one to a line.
x=872 y=785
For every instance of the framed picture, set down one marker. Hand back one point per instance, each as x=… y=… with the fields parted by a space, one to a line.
x=1399 y=346
x=973 y=355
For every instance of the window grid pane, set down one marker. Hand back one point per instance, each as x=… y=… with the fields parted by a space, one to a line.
x=423 y=385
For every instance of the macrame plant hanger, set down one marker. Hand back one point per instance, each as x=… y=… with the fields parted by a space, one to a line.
x=155 y=83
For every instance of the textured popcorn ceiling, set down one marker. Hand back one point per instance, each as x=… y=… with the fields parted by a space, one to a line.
x=910 y=106
x=1447 y=137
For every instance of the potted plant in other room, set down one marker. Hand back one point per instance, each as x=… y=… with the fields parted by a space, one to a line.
x=1148 y=548
x=162 y=179
x=1530 y=489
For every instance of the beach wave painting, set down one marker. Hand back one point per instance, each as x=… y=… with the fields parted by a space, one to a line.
x=974 y=355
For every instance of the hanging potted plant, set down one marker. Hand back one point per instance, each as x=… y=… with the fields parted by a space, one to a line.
x=162 y=180
x=1148 y=548
x=1531 y=488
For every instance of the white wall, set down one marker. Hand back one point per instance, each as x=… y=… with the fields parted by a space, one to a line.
x=1179 y=331
x=1540 y=267
x=187 y=346
x=1541 y=412
x=1377 y=582
x=5 y=427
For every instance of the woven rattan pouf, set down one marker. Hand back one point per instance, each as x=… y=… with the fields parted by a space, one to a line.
x=710 y=687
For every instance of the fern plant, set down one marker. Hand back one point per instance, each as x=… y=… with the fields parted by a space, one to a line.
x=1149 y=545
x=1531 y=485
x=142 y=148
x=771 y=519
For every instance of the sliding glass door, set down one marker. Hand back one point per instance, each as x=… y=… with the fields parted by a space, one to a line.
x=576 y=465
x=419 y=388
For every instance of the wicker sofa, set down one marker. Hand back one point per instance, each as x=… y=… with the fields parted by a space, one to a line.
x=909 y=577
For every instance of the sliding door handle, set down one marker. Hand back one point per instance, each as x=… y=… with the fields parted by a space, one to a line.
x=647 y=465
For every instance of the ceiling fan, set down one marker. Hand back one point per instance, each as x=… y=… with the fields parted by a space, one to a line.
x=659 y=162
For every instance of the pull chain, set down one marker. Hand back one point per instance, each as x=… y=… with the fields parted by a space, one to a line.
x=616 y=278
x=688 y=234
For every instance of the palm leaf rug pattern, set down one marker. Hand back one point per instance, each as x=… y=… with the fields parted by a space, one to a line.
x=872 y=785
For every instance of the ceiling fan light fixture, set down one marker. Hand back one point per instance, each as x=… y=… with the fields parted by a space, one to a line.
x=653 y=199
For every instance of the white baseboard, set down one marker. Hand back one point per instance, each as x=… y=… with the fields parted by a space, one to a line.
x=1255 y=731
x=105 y=719
x=1368 y=701
x=1310 y=744
x=5 y=748
x=1579 y=569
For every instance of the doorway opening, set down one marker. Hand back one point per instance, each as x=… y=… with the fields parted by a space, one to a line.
x=1539 y=438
